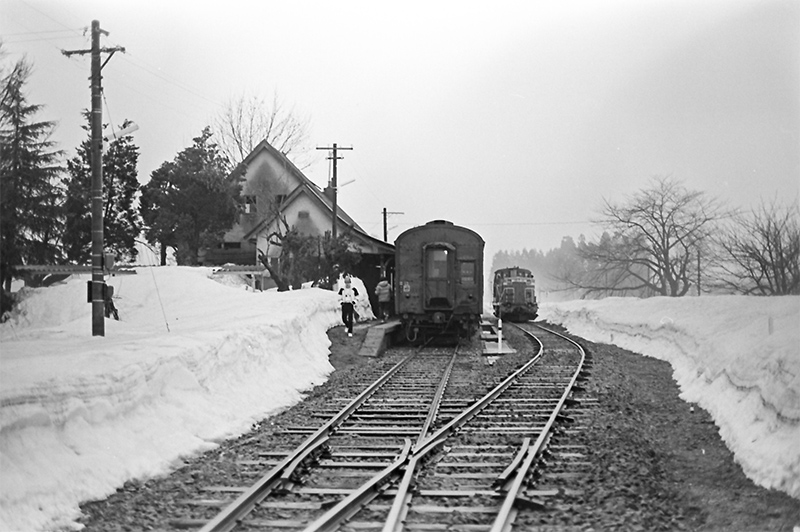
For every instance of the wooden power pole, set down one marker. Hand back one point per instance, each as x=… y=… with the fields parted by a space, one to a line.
x=386 y=224
x=98 y=281
x=334 y=185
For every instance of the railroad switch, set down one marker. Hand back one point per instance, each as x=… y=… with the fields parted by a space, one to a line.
x=530 y=504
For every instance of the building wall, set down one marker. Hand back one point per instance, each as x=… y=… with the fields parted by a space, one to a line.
x=264 y=178
x=302 y=213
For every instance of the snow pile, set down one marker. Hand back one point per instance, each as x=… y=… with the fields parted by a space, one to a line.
x=738 y=357
x=193 y=361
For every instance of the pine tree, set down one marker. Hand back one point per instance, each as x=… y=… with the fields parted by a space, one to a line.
x=191 y=201
x=121 y=220
x=30 y=194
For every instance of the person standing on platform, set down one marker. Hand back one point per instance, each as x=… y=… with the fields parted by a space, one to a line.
x=384 y=292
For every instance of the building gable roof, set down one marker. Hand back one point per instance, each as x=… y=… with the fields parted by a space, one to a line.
x=308 y=188
x=262 y=146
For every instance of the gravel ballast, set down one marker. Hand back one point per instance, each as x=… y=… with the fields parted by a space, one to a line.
x=657 y=462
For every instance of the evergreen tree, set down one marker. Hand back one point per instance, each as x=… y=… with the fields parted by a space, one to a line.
x=30 y=196
x=191 y=201
x=121 y=220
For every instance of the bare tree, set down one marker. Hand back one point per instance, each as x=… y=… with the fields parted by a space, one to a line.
x=651 y=242
x=288 y=268
x=249 y=119
x=303 y=257
x=761 y=251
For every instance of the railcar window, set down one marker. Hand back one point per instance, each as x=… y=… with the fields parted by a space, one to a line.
x=437 y=263
x=468 y=273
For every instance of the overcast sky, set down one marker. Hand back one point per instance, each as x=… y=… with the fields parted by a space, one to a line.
x=513 y=118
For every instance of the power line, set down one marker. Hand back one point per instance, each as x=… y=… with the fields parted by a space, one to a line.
x=155 y=73
x=129 y=58
x=42 y=39
x=528 y=223
x=42 y=32
x=83 y=28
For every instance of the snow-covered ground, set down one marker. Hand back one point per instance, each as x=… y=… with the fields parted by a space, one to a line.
x=193 y=360
x=738 y=357
x=198 y=358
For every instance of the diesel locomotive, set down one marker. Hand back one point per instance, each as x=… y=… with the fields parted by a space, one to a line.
x=438 y=281
x=514 y=294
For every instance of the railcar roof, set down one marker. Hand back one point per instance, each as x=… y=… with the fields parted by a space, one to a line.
x=439 y=224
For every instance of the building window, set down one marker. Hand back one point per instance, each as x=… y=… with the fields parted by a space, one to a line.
x=249 y=205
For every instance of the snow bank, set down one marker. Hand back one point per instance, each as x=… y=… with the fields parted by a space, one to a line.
x=738 y=357
x=81 y=415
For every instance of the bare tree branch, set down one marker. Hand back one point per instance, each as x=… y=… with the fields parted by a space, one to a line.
x=249 y=119
x=649 y=243
x=760 y=251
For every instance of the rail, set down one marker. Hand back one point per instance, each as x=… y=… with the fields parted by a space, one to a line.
x=505 y=515
x=244 y=504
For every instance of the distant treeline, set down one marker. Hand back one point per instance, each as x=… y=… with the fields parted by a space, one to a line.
x=547 y=267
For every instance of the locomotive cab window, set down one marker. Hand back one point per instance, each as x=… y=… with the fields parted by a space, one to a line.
x=529 y=295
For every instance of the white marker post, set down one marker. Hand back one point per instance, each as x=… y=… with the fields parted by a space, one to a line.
x=499 y=335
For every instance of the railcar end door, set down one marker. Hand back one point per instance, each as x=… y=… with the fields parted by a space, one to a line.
x=438 y=285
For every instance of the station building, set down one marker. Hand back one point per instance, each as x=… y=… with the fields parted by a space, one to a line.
x=275 y=190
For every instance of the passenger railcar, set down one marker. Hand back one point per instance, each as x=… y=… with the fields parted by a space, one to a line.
x=514 y=294
x=439 y=280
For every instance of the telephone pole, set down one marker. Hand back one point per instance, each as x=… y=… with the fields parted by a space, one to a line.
x=385 y=227
x=98 y=282
x=333 y=182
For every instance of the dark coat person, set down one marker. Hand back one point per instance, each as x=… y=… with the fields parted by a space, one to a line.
x=384 y=292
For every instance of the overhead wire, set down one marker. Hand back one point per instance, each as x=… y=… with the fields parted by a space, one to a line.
x=41 y=32
x=128 y=58
x=370 y=226
x=51 y=18
x=41 y=39
x=108 y=111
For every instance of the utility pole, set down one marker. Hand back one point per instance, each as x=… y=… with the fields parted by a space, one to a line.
x=698 y=272
x=98 y=281
x=385 y=224
x=333 y=182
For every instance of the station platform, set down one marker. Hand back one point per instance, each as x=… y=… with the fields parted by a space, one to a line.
x=377 y=339
x=378 y=334
x=492 y=344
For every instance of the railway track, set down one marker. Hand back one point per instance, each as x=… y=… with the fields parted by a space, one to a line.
x=439 y=439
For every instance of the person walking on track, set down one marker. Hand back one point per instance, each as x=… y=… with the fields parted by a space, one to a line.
x=347 y=298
